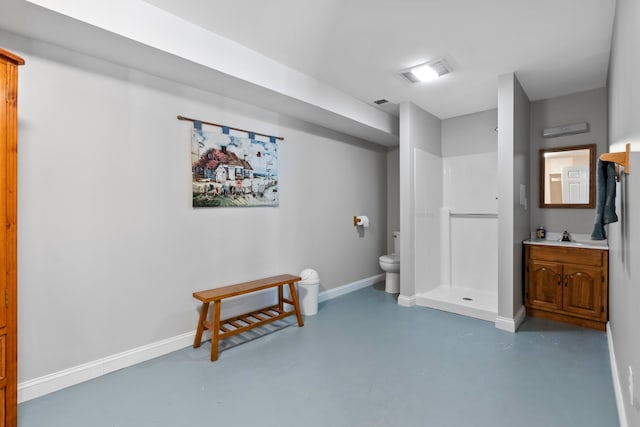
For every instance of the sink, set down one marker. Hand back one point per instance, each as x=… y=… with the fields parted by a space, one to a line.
x=582 y=241
x=578 y=243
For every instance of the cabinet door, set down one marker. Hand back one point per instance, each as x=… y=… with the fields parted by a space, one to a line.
x=583 y=291
x=545 y=285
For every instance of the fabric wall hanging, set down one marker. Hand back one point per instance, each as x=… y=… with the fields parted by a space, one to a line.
x=231 y=170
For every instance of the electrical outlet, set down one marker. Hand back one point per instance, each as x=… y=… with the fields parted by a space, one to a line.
x=631 y=397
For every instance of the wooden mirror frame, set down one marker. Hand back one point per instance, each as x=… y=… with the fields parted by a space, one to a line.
x=592 y=177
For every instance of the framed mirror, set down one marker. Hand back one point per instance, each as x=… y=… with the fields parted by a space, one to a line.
x=567 y=177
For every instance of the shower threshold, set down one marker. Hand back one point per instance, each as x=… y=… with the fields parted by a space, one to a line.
x=465 y=301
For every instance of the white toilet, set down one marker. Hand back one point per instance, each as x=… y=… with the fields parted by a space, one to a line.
x=391 y=265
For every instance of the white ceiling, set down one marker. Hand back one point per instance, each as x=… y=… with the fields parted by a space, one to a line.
x=555 y=47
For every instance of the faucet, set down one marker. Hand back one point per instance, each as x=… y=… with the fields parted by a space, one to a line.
x=566 y=237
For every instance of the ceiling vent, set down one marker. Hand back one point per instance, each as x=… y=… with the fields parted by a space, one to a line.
x=387 y=106
x=428 y=71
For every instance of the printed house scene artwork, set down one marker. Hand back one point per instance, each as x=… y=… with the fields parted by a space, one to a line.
x=232 y=170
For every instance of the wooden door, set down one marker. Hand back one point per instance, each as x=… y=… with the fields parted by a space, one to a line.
x=583 y=287
x=9 y=237
x=545 y=290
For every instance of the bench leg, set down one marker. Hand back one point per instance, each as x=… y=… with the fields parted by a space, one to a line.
x=294 y=298
x=215 y=331
x=281 y=298
x=203 y=319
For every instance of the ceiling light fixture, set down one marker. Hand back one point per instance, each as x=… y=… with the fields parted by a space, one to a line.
x=565 y=130
x=424 y=73
x=427 y=71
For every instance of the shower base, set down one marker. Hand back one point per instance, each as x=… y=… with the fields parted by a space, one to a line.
x=466 y=301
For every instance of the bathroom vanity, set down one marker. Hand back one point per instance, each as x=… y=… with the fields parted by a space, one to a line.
x=567 y=281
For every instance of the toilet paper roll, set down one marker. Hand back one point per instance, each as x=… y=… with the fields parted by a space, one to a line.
x=362 y=221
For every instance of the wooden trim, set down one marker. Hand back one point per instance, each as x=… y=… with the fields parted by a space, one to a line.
x=592 y=178
x=10 y=57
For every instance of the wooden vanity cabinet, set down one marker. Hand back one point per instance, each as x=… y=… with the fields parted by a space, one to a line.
x=568 y=284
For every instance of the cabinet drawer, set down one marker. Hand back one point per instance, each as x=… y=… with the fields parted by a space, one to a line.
x=571 y=255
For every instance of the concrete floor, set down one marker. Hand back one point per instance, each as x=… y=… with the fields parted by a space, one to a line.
x=361 y=361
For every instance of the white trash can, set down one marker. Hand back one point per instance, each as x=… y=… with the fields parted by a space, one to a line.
x=308 y=291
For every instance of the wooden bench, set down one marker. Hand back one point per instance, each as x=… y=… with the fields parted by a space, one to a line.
x=221 y=329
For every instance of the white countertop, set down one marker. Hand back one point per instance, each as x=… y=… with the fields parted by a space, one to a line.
x=577 y=241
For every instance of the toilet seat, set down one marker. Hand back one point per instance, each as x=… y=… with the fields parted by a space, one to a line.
x=390 y=259
x=390 y=263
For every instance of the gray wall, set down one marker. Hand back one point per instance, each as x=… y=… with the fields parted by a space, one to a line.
x=624 y=236
x=589 y=106
x=521 y=177
x=393 y=195
x=110 y=249
x=513 y=217
x=418 y=130
x=470 y=134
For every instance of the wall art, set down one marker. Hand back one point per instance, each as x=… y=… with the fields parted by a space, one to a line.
x=231 y=170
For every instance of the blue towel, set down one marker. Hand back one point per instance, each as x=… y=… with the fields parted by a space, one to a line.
x=606 y=199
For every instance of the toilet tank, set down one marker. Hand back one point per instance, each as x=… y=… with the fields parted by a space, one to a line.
x=396 y=242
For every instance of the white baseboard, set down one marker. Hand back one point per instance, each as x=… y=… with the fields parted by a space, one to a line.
x=617 y=387
x=349 y=287
x=406 y=301
x=46 y=384
x=520 y=316
x=511 y=325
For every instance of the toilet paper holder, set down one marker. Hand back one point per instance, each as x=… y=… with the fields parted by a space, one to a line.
x=360 y=221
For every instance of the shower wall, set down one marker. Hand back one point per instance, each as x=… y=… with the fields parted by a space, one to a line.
x=470 y=183
x=450 y=163
x=470 y=188
x=461 y=251
x=470 y=163
x=464 y=175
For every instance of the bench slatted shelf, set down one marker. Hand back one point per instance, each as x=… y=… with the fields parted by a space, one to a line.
x=221 y=329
